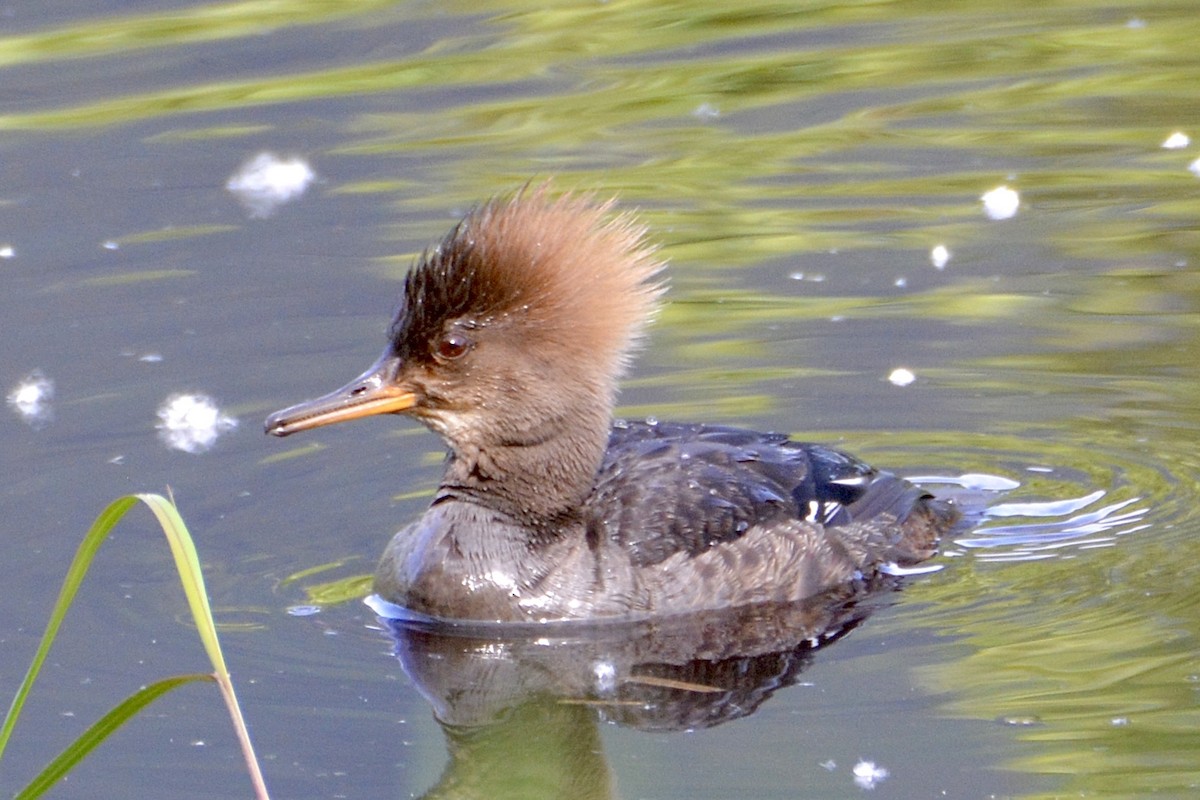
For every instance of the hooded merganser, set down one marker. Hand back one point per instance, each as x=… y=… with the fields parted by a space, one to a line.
x=508 y=342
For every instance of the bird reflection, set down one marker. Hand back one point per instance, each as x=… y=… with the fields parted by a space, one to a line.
x=519 y=705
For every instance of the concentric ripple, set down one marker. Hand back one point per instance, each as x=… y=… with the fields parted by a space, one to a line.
x=1036 y=497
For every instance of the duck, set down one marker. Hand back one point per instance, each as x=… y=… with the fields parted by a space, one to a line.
x=509 y=341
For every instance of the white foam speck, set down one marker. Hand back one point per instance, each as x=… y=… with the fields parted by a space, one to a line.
x=901 y=376
x=1194 y=168
x=192 y=422
x=266 y=182
x=1001 y=203
x=30 y=399
x=7 y=251
x=939 y=256
x=868 y=774
x=1177 y=141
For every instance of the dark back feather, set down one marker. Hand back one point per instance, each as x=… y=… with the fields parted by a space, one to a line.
x=666 y=488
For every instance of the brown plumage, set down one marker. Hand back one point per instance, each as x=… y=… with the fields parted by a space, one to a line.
x=570 y=280
x=509 y=341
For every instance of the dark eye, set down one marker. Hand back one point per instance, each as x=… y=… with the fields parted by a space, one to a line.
x=453 y=345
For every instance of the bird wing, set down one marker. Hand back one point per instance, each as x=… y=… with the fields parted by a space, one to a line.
x=667 y=488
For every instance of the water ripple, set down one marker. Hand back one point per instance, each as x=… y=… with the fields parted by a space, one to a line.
x=1026 y=505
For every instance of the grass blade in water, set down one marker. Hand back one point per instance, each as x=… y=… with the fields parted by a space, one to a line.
x=187 y=564
x=98 y=732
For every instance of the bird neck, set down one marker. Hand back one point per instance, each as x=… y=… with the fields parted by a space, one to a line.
x=538 y=477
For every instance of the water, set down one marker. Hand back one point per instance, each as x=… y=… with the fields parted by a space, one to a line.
x=798 y=165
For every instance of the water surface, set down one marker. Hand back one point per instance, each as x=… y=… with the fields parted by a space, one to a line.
x=797 y=163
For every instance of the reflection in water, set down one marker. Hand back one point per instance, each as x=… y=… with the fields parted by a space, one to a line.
x=520 y=704
x=1095 y=528
x=1052 y=525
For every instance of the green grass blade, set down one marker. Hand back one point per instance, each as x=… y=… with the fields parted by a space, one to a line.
x=104 y=523
x=187 y=564
x=101 y=730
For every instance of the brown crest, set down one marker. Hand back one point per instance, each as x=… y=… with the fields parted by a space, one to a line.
x=561 y=268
